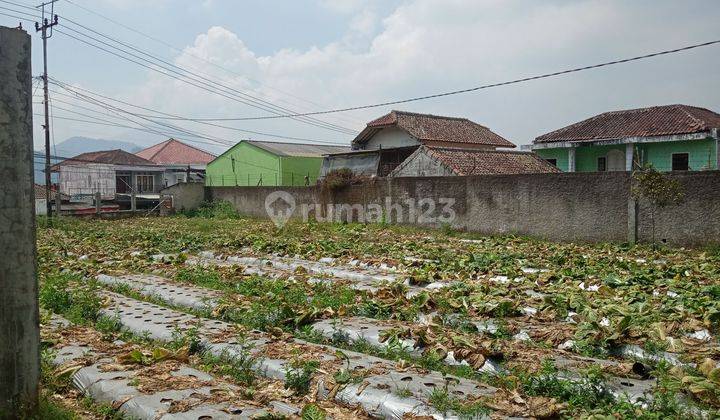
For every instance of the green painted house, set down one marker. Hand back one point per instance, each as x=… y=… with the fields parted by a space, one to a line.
x=670 y=137
x=264 y=163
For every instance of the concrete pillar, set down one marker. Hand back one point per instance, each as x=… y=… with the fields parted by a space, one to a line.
x=571 y=159
x=632 y=219
x=133 y=201
x=98 y=203
x=629 y=156
x=19 y=318
x=58 y=203
x=716 y=134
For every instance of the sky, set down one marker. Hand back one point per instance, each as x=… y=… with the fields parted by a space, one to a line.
x=314 y=55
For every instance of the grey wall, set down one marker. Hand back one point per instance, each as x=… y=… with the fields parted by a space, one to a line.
x=185 y=195
x=420 y=164
x=19 y=318
x=566 y=206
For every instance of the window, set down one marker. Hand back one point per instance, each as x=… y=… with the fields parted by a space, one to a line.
x=602 y=164
x=145 y=183
x=553 y=162
x=680 y=161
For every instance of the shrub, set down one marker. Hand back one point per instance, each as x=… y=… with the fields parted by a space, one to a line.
x=214 y=210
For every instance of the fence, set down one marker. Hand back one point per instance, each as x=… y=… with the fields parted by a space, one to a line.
x=262 y=179
x=567 y=206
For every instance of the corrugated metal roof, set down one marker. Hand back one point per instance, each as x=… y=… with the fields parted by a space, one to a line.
x=298 y=149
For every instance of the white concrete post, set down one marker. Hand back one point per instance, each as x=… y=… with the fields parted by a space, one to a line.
x=19 y=317
x=571 y=159
x=629 y=156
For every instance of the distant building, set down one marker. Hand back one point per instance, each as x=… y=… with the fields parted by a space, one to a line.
x=388 y=141
x=670 y=137
x=109 y=172
x=443 y=161
x=255 y=163
x=41 y=199
x=182 y=162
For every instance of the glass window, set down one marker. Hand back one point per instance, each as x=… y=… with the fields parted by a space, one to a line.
x=602 y=164
x=680 y=162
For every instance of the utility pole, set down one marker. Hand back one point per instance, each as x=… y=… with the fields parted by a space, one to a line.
x=47 y=24
x=19 y=317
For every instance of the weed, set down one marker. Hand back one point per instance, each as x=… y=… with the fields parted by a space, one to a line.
x=108 y=326
x=312 y=412
x=214 y=210
x=48 y=409
x=66 y=294
x=241 y=367
x=299 y=376
x=403 y=392
x=441 y=400
x=189 y=338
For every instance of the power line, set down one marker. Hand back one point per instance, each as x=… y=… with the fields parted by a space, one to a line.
x=179 y=50
x=161 y=72
x=204 y=82
x=78 y=95
x=262 y=103
x=473 y=89
x=191 y=120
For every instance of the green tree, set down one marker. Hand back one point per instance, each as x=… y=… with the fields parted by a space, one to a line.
x=657 y=189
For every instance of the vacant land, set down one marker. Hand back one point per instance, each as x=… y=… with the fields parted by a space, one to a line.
x=350 y=320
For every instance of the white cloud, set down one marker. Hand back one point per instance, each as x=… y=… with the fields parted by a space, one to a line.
x=428 y=46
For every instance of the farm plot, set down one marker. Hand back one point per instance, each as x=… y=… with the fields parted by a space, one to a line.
x=357 y=320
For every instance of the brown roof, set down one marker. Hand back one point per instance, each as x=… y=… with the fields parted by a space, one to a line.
x=488 y=162
x=426 y=127
x=644 y=122
x=115 y=157
x=173 y=151
x=40 y=193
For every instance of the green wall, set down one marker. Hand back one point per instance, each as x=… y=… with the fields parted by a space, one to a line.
x=295 y=169
x=253 y=163
x=586 y=157
x=702 y=154
x=561 y=155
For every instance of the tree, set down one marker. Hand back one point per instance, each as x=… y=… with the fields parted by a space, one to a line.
x=657 y=189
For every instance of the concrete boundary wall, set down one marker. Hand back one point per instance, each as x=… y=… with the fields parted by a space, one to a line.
x=564 y=207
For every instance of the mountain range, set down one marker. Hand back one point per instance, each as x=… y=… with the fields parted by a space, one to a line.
x=77 y=145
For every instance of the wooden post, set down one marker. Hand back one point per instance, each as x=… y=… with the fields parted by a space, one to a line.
x=19 y=317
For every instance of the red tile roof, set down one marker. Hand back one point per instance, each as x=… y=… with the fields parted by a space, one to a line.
x=489 y=162
x=644 y=122
x=175 y=152
x=40 y=193
x=115 y=157
x=426 y=127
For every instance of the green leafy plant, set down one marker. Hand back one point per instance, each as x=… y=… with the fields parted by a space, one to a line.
x=299 y=376
x=657 y=189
